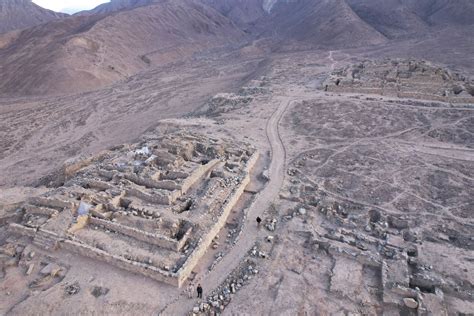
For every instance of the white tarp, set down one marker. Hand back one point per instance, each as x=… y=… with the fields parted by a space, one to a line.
x=145 y=151
x=83 y=209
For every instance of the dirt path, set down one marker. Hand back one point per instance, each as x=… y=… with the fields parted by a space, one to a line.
x=269 y=193
x=250 y=232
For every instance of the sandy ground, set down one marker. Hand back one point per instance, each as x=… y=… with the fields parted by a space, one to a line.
x=367 y=154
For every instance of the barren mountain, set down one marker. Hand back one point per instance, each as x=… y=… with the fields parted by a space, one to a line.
x=443 y=12
x=253 y=147
x=20 y=14
x=391 y=18
x=395 y=18
x=123 y=37
x=323 y=22
x=117 y=5
x=309 y=22
x=85 y=52
x=359 y=20
x=244 y=13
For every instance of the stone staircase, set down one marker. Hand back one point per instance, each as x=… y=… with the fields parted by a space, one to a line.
x=44 y=241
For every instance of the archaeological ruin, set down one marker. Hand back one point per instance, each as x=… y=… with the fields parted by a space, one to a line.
x=151 y=208
x=404 y=79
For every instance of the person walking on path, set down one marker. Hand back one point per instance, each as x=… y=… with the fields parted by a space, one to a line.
x=259 y=221
x=199 y=291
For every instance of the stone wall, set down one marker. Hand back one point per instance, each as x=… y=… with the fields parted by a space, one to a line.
x=106 y=174
x=400 y=94
x=154 y=239
x=413 y=95
x=95 y=253
x=21 y=230
x=206 y=240
x=153 y=184
x=52 y=203
x=9 y=218
x=173 y=175
x=176 y=279
x=120 y=262
x=156 y=198
x=198 y=174
x=99 y=185
x=176 y=189
x=31 y=209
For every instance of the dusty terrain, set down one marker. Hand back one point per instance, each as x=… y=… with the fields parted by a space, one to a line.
x=355 y=181
x=364 y=188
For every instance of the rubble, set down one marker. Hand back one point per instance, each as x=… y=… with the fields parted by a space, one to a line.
x=72 y=289
x=218 y=299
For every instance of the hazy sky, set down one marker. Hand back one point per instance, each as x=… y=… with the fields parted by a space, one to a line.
x=69 y=6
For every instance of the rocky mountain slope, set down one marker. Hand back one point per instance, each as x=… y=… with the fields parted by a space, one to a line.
x=323 y=23
x=21 y=14
x=443 y=12
x=123 y=37
x=117 y=5
x=402 y=18
x=85 y=52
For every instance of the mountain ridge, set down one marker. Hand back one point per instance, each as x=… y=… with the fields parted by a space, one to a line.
x=22 y=14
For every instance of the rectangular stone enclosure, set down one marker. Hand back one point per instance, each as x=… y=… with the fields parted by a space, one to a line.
x=151 y=208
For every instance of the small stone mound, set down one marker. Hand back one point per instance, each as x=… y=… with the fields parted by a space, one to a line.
x=72 y=289
x=98 y=291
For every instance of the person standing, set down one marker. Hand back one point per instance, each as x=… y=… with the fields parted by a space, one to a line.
x=259 y=221
x=189 y=291
x=199 y=291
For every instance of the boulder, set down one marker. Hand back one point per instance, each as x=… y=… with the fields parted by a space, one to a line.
x=410 y=303
x=30 y=268
x=98 y=291
x=398 y=223
x=375 y=216
x=51 y=269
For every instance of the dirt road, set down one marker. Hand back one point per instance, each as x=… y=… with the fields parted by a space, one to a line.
x=250 y=232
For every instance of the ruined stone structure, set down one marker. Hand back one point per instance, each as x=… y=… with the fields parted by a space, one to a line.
x=151 y=208
x=403 y=79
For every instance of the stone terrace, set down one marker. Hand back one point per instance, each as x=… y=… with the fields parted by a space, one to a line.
x=404 y=79
x=154 y=207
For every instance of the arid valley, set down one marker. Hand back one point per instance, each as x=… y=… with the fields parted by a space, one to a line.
x=140 y=142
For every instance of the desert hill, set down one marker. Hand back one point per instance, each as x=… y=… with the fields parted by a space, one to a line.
x=322 y=23
x=245 y=13
x=117 y=5
x=408 y=18
x=123 y=37
x=322 y=20
x=21 y=14
x=85 y=52
x=443 y=12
